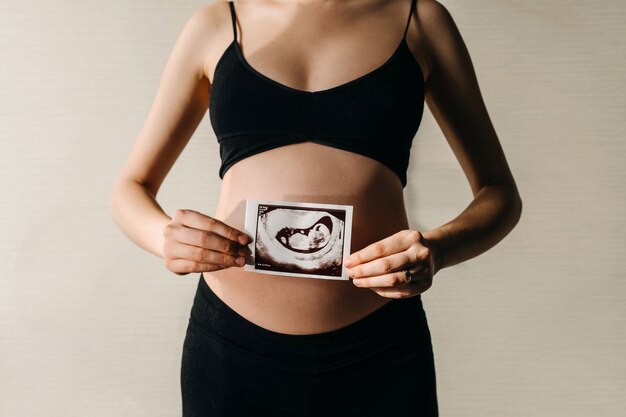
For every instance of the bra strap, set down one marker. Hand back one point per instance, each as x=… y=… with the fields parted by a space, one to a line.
x=233 y=18
x=406 y=29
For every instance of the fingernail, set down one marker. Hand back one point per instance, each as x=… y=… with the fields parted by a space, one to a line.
x=240 y=261
x=347 y=263
x=243 y=251
x=242 y=239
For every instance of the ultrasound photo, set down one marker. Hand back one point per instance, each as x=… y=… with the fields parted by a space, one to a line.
x=298 y=239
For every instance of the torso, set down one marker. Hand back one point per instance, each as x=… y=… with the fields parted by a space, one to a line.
x=309 y=172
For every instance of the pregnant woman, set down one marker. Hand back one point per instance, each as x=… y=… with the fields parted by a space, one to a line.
x=314 y=101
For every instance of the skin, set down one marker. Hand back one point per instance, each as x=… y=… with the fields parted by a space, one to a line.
x=382 y=243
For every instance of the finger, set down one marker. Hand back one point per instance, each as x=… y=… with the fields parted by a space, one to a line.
x=380 y=266
x=210 y=240
x=409 y=291
x=395 y=243
x=192 y=218
x=393 y=279
x=184 y=266
x=202 y=255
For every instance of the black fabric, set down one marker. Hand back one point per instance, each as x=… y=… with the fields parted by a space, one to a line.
x=376 y=114
x=380 y=365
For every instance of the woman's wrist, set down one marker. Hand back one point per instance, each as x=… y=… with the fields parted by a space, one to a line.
x=436 y=252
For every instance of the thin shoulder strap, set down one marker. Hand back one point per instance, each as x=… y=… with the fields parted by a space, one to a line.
x=406 y=29
x=233 y=16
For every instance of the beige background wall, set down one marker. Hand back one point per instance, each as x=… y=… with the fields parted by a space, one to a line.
x=92 y=325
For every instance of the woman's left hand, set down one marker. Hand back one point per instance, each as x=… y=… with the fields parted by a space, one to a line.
x=380 y=265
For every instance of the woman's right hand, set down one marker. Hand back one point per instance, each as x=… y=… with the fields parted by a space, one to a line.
x=195 y=242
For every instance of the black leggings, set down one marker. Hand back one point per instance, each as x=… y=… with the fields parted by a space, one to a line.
x=381 y=365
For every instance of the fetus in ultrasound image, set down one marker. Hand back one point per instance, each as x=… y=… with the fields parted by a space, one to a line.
x=300 y=240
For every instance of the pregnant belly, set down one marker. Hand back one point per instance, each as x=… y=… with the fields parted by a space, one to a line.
x=307 y=172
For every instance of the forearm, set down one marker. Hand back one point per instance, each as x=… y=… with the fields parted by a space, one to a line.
x=136 y=212
x=491 y=215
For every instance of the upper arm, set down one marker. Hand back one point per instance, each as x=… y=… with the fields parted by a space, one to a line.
x=454 y=98
x=178 y=107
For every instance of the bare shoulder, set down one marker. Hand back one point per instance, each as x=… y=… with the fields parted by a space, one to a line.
x=209 y=29
x=432 y=10
x=440 y=32
x=434 y=17
x=212 y=16
x=428 y=20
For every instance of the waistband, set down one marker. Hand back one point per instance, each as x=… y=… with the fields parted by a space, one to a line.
x=394 y=330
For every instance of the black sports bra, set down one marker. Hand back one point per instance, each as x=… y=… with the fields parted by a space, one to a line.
x=376 y=114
